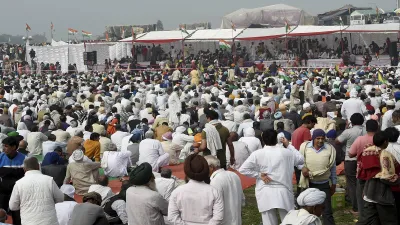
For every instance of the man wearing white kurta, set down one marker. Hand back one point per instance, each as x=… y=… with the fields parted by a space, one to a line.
x=273 y=168
x=36 y=195
x=151 y=151
x=229 y=185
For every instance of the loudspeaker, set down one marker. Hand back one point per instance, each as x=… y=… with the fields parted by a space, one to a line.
x=90 y=58
x=394 y=49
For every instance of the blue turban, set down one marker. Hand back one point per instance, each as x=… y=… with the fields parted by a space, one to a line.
x=318 y=133
x=331 y=134
x=397 y=95
x=52 y=158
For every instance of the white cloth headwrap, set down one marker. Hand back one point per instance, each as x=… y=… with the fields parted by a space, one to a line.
x=311 y=197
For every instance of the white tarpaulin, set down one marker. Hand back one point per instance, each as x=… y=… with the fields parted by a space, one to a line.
x=273 y=15
x=315 y=30
x=374 y=28
x=214 y=34
x=129 y=39
x=250 y=34
x=159 y=37
x=58 y=43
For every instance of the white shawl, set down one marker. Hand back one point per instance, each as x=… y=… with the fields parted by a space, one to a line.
x=212 y=137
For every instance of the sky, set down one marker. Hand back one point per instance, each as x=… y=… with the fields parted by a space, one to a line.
x=94 y=15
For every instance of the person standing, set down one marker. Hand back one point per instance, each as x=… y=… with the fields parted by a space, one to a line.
x=302 y=134
x=273 y=169
x=196 y=202
x=144 y=205
x=348 y=137
x=229 y=185
x=387 y=117
x=308 y=89
x=36 y=195
x=11 y=170
x=352 y=105
x=319 y=170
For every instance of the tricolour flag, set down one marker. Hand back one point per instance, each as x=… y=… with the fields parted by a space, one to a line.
x=377 y=12
x=27 y=27
x=107 y=36
x=86 y=34
x=380 y=78
x=341 y=21
x=182 y=28
x=285 y=77
x=52 y=26
x=287 y=26
x=72 y=31
x=224 y=45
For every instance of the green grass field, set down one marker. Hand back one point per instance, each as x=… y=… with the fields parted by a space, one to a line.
x=251 y=216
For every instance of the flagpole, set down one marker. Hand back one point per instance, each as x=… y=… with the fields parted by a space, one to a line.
x=68 y=49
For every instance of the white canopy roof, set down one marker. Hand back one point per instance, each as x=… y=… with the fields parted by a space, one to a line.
x=374 y=28
x=215 y=34
x=261 y=33
x=129 y=39
x=160 y=37
x=315 y=30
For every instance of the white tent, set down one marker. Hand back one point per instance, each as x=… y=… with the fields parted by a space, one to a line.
x=273 y=15
x=162 y=37
x=315 y=30
x=58 y=43
x=374 y=28
x=214 y=35
x=250 y=34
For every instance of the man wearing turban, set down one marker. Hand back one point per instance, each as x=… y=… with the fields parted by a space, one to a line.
x=196 y=202
x=144 y=205
x=311 y=202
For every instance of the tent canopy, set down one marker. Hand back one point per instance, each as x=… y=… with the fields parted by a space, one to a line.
x=253 y=34
x=373 y=28
x=216 y=34
x=129 y=39
x=315 y=30
x=274 y=15
x=162 y=37
x=364 y=12
x=339 y=12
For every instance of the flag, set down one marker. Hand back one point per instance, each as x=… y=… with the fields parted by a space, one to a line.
x=182 y=28
x=233 y=26
x=107 y=36
x=72 y=31
x=341 y=21
x=27 y=27
x=285 y=77
x=224 y=45
x=52 y=26
x=337 y=69
x=122 y=32
x=287 y=26
x=86 y=34
x=380 y=78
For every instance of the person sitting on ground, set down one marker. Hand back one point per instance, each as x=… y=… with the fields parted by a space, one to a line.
x=114 y=163
x=101 y=187
x=51 y=144
x=151 y=151
x=89 y=212
x=92 y=147
x=64 y=209
x=166 y=183
x=53 y=165
x=115 y=206
x=81 y=173
x=311 y=202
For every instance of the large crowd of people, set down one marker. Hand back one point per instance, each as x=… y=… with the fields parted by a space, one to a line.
x=68 y=135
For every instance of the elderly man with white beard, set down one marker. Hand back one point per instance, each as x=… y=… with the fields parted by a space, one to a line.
x=144 y=205
x=273 y=168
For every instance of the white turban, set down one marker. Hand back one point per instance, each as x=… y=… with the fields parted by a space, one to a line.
x=77 y=155
x=311 y=197
x=68 y=190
